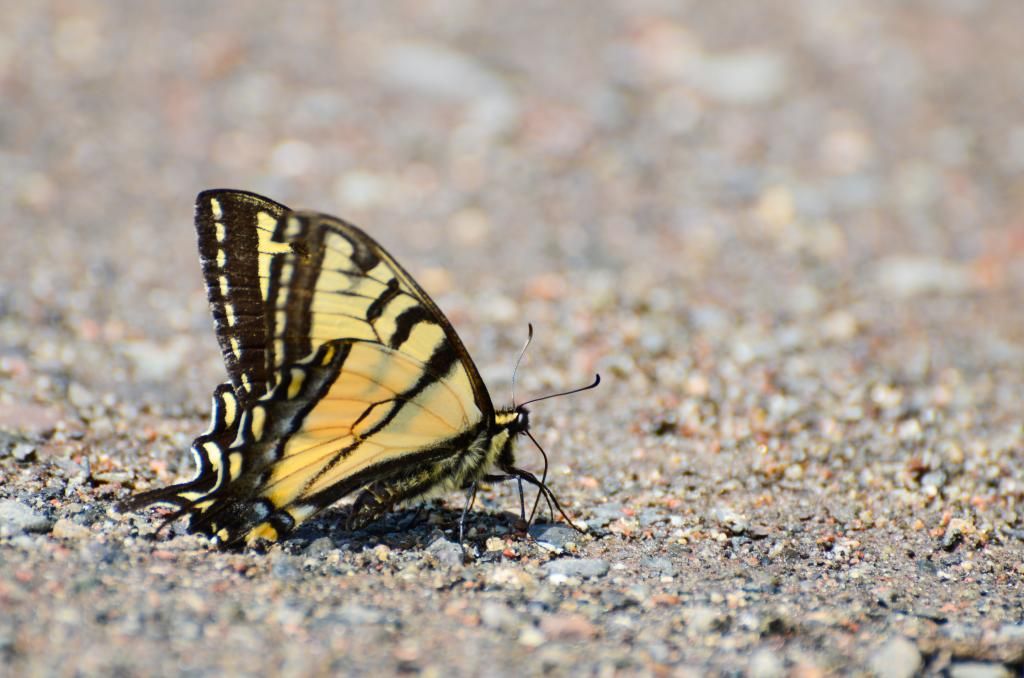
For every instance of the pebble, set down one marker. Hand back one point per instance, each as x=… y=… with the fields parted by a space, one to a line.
x=601 y=516
x=616 y=600
x=730 y=520
x=766 y=664
x=556 y=535
x=740 y=77
x=978 y=670
x=446 y=553
x=510 y=577
x=496 y=615
x=907 y=277
x=67 y=529
x=651 y=516
x=568 y=627
x=953 y=536
x=577 y=567
x=1012 y=632
x=80 y=396
x=531 y=637
x=703 y=619
x=382 y=552
x=897 y=658
x=659 y=565
x=17 y=518
x=354 y=614
x=934 y=479
x=320 y=547
x=23 y=452
x=285 y=567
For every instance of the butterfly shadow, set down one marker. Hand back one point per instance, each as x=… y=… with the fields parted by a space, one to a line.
x=406 y=529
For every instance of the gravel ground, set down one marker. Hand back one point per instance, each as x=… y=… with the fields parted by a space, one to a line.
x=788 y=234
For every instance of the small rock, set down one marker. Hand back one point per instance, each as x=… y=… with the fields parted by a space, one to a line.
x=320 y=547
x=495 y=615
x=730 y=520
x=531 y=637
x=111 y=477
x=898 y=658
x=602 y=515
x=577 y=567
x=651 y=516
x=703 y=619
x=152 y=361
x=568 y=627
x=66 y=529
x=23 y=452
x=658 y=651
x=766 y=664
x=284 y=567
x=356 y=615
x=906 y=277
x=661 y=566
x=978 y=670
x=80 y=396
x=955 y=533
x=654 y=343
x=445 y=552
x=843 y=513
x=107 y=553
x=510 y=577
x=741 y=77
x=759 y=532
x=638 y=594
x=1012 y=632
x=616 y=600
x=17 y=518
x=556 y=535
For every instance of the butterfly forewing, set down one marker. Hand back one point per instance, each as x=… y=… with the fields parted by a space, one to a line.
x=236 y=249
x=338 y=283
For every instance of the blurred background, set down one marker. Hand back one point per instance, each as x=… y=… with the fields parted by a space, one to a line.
x=714 y=162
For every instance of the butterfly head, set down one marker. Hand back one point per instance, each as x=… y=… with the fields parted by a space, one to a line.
x=515 y=420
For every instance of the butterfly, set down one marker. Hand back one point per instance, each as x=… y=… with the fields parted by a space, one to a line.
x=343 y=376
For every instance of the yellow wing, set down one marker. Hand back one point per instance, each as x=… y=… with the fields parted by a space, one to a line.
x=351 y=377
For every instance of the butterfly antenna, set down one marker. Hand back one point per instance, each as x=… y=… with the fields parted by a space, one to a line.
x=597 y=380
x=515 y=370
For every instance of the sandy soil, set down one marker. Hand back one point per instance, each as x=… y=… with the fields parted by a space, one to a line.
x=788 y=234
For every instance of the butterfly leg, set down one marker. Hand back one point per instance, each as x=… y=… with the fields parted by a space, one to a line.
x=470 y=500
x=544 y=491
x=492 y=478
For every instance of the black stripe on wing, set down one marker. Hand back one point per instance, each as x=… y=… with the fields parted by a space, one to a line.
x=235 y=230
x=210 y=452
x=338 y=283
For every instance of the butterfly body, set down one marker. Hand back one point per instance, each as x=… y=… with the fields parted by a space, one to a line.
x=344 y=376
